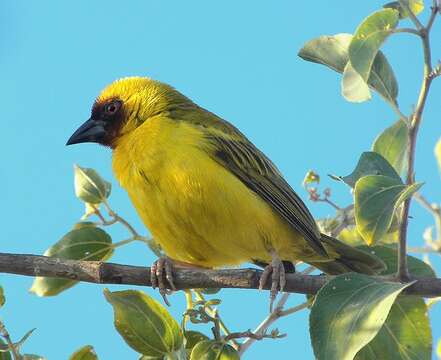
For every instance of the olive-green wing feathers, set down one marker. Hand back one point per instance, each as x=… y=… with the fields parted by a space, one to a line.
x=237 y=154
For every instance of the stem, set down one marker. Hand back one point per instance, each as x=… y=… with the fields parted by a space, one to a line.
x=415 y=122
x=276 y=314
x=436 y=213
x=330 y=202
x=212 y=313
x=5 y=334
x=406 y=30
x=123 y=242
x=435 y=9
x=189 y=302
x=293 y=309
x=121 y=220
x=405 y=4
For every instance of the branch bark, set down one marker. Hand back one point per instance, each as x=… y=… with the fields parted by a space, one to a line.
x=110 y=273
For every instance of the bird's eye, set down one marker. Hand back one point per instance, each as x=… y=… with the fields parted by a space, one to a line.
x=112 y=107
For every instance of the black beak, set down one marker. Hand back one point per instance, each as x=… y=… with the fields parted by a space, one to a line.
x=91 y=131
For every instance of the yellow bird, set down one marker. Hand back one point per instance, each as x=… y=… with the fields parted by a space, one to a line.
x=209 y=197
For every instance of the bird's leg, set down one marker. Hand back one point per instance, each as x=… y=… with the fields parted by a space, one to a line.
x=162 y=266
x=162 y=269
x=278 y=278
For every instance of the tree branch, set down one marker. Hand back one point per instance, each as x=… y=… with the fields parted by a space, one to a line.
x=110 y=273
x=414 y=125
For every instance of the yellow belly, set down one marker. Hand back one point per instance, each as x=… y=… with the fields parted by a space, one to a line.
x=198 y=211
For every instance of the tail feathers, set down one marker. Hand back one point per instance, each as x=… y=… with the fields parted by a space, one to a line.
x=351 y=259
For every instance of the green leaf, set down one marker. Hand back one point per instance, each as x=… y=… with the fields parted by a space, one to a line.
x=438 y=152
x=392 y=145
x=328 y=50
x=377 y=197
x=347 y=314
x=370 y=163
x=406 y=333
x=176 y=355
x=332 y=51
x=368 y=38
x=353 y=87
x=416 y=6
x=85 y=353
x=389 y=256
x=144 y=323
x=351 y=236
x=85 y=242
x=4 y=355
x=90 y=186
x=2 y=296
x=214 y=350
x=192 y=338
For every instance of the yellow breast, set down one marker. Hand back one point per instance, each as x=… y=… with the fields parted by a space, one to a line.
x=198 y=211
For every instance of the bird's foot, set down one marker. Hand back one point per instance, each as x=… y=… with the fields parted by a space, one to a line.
x=278 y=278
x=161 y=272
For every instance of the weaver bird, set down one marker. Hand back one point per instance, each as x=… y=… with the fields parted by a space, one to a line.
x=209 y=197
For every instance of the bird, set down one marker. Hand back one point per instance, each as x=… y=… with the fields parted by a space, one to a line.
x=208 y=195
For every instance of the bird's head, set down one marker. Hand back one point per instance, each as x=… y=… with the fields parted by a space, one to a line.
x=123 y=106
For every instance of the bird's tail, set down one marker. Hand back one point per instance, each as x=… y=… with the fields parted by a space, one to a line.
x=350 y=259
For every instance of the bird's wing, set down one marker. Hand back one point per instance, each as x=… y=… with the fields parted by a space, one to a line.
x=237 y=154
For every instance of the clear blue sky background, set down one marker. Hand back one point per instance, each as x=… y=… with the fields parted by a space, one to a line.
x=236 y=58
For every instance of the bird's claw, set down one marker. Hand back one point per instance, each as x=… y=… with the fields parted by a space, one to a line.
x=161 y=272
x=278 y=278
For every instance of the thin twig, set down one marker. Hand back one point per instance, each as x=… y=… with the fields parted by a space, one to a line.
x=405 y=5
x=293 y=309
x=422 y=250
x=406 y=30
x=5 y=334
x=251 y=335
x=434 y=12
x=121 y=220
x=274 y=315
x=212 y=312
x=435 y=210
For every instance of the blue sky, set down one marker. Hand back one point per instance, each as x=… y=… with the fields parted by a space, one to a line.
x=235 y=58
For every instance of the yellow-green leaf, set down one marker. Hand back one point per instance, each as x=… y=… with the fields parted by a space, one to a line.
x=213 y=350
x=392 y=145
x=90 y=187
x=332 y=51
x=416 y=6
x=353 y=87
x=2 y=297
x=85 y=242
x=347 y=314
x=438 y=349
x=192 y=338
x=406 y=333
x=144 y=323
x=85 y=353
x=438 y=152
x=377 y=197
x=311 y=177
x=368 y=38
x=351 y=236
x=370 y=163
